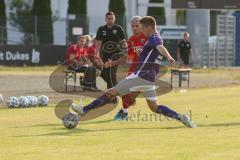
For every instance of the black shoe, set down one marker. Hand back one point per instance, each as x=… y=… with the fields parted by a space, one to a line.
x=114 y=101
x=91 y=89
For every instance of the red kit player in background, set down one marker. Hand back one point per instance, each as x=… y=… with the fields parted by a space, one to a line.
x=135 y=46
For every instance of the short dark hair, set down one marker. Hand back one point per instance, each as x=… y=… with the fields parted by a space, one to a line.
x=80 y=37
x=109 y=13
x=148 y=21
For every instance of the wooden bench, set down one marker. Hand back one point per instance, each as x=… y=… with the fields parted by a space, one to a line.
x=71 y=75
x=180 y=72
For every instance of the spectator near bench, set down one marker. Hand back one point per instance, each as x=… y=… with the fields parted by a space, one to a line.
x=110 y=42
x=184 y=51
x=78 y=61
x=91 y=55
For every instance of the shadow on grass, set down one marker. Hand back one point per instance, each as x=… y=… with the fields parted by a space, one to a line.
x=60 y=125
x=225 y=124
x=62 y=131
x=78 y=131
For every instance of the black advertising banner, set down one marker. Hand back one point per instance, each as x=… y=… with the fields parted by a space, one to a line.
x=31 y=55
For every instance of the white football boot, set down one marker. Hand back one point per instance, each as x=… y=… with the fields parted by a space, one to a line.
x=185 y=119
x=78 y=108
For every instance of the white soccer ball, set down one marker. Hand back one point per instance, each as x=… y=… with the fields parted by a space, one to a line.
x=13 y=102
x=70 y=120
x=33 y=101
x=23 y=101
x=1 y=99
x=43 y=100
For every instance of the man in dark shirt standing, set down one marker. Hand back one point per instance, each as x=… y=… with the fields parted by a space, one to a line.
x=110 y=44
x=184 y=51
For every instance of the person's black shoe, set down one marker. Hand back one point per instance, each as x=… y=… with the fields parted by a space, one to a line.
x=114 y=101
x=96 y=89
x=91 y=89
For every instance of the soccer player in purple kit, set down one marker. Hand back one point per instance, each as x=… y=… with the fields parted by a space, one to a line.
x=143 y=79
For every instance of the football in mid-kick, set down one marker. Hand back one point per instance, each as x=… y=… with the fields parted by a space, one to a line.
x=70 y=120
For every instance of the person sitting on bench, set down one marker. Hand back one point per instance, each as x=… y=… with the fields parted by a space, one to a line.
x=78 y=62
x=95 y=60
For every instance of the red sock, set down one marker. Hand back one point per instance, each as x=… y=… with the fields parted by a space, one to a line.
x=128 y=100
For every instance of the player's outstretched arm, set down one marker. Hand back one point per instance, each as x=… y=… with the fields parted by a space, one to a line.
x=161 y=49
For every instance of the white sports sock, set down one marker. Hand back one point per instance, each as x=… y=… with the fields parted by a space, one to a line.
x=124 y=110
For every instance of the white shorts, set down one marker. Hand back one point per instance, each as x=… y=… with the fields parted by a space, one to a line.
x=133 y=83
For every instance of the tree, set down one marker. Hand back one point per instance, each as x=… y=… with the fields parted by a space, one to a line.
x=157 y=12
x=43 y=20
x=20 y=17
x=3 y=23
x=118 y=7
x=181 y=17
x=78 y=8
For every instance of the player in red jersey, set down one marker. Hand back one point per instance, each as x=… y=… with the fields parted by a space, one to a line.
x=135 y=45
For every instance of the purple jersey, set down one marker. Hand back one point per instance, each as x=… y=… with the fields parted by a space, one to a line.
x=150 y=59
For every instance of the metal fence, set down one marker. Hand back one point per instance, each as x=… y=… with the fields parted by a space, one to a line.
x=220 y=51
x=56 y=31
x=11 y=35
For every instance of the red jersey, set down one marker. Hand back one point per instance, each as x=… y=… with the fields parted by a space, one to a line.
x=91 y=50
x=76 y=51
x=135 y=43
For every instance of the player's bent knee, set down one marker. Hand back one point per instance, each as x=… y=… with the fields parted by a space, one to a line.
x=152 y=109
x=111 y=93
x=153 y=105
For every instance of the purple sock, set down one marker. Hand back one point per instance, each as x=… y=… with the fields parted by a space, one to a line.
x=100 y=101
x=168 y=112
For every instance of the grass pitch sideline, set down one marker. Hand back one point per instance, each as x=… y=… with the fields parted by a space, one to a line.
x=35 y=133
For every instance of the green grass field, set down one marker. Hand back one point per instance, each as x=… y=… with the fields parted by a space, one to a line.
x=36 y=134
